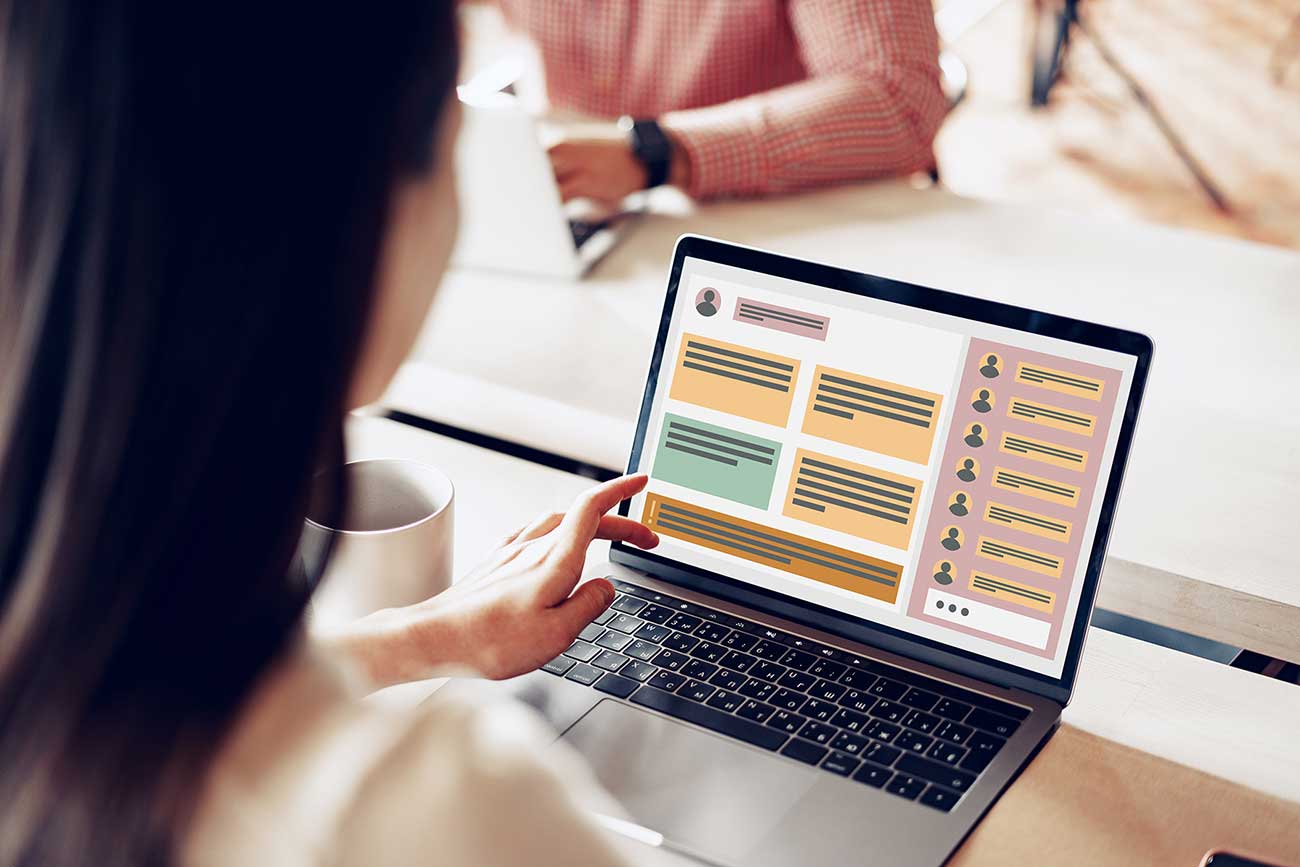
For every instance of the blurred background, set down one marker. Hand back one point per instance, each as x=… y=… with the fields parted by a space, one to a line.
x=1147 y=109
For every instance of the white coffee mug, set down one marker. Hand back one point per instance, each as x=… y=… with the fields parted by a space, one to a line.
x=395 y=544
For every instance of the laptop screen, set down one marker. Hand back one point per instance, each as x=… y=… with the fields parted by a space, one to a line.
x=930 y=473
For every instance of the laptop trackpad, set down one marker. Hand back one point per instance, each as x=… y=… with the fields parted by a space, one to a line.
x=698 y=789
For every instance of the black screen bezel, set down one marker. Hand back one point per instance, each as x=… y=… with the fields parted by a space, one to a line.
x=924 y=298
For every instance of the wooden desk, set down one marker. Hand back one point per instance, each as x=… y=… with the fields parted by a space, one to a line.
x=1217 y=719
x=1211 y=496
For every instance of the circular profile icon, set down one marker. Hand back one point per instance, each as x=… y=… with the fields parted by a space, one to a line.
x=991 y=368
x=951 y=539
x=968 y=469
x=943 y=572
x=708 y=301
x=960 y=504
x=974 y=435
x=982 y=400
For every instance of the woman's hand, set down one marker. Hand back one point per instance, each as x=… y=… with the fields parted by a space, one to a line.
x=520 y=608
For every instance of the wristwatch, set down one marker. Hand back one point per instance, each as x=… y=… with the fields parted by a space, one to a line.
x=651 y=145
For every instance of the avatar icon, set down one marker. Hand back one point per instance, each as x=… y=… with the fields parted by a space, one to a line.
x=975 y=438
x=992 y=367
x=958 y=505
x=967 y=472
x=943 y=575
x=983 y=401
x=952 y=541
x=706 y=303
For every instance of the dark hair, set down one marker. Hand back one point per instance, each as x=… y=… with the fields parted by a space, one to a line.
x=192 y=203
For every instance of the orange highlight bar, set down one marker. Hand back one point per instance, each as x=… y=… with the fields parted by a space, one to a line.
x=1013 y=591
x=734 y=379
x=1044 y=452
x=1028 y=522
x=1014 y=554
x=872 y=414
x=1062 y=381
x=1037 y=412
x=1036 y=486
x=798 y=555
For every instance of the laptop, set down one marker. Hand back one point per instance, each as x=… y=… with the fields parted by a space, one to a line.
x=883 y=512
x=512 y=217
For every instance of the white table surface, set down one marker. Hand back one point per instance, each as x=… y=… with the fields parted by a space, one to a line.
x=1212 y=497
x=1221 y=720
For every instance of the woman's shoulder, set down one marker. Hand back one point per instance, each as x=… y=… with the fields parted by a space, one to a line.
x=311 y=775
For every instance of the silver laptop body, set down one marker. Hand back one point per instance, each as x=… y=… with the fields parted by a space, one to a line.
x=732 y=802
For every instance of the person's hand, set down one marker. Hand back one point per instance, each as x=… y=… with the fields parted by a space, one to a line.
x=597 y=165
x=520 y=608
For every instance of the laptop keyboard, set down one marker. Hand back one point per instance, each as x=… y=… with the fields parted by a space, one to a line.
x=912 y=736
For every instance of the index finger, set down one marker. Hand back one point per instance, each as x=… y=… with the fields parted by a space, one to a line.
x=583 y=518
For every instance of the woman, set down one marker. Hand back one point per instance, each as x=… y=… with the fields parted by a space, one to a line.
x=218 y=231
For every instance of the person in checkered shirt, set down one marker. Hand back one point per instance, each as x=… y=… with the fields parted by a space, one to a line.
x=738 y=97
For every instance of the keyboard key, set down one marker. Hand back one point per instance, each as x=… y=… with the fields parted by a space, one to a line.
x=680 y=642
x=786 y=721
x=591 y=632
x=951 y=709
x=724 y=700
x=949 y=754
x=683 y=622
x=921 y=721
x=604 y=617
x=955 y=732
x=739 y=641
x=832 y=654
x=769 y=671
x=710 y=631
x=738 y=661
x=709 y=718
x=803 y=751
x=582 y=651
x=822 y=711
x=773 y=634
x=817 y=732
x=824 y=668
x=856 y=678
x=788 y=699
x=559 y=665
x=851 y=744
x=699 y=669
x=905 y=786
x=992 y=723
x=649 y=631
x=729 y=680
x=625 y=623
x=656 y=614
x=617 y=686
x=638 y=670
x=671 y=660
x=983 y=747
x=709 y=652
x=939 y=798
x=610 y=661
x=848 y=720
x=882 y=731
x=935 y=772
x=881 y=754
x=913 y=742
x=759 y=689
x=584 y=673
x=798 y=659
x=612 y=640
x=889 y=711
x=628 y=604
x=797 y=680
x=768 y=650
x=873 y=775
x=755 y=710
x=826 y=690
x=858 y=701
x=696 y=690
x=840 y=763
x=668 y=680
x=640 y=649
x=890 y=689
x=920 y=699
